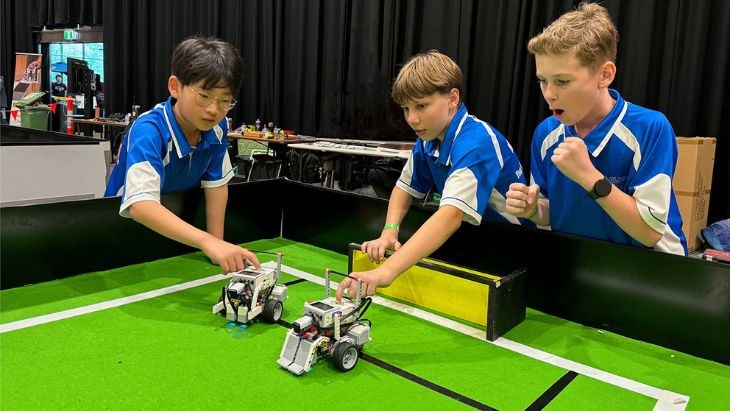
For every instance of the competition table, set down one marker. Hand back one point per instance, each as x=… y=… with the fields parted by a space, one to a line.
x=98 y=312
x=144 y=337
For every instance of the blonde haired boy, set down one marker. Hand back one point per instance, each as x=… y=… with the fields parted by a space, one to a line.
x=457 y=155
x=601 y=167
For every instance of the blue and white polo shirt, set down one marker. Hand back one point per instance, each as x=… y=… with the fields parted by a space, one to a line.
x=155 y=158
x=635 y=148
x=472 y=169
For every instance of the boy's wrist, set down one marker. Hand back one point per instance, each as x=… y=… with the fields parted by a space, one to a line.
x=534 y=213
x=394 y=226
x=388 y=274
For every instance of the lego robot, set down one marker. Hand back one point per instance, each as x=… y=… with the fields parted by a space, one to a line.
x=327 y=328
x=252 y=292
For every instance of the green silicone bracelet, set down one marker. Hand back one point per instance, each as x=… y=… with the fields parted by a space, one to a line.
x=391 y=225
x=534 y=213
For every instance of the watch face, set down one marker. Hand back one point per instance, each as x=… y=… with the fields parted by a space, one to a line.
x=602 y=187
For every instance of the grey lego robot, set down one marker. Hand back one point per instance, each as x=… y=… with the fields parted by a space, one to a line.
x=252 y=292
x=327 y=328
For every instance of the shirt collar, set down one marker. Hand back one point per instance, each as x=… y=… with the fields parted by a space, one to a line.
x=597 y=139
x=182 y=147
x=444 y=152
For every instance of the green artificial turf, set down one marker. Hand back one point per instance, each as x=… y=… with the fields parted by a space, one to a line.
x=172 y=352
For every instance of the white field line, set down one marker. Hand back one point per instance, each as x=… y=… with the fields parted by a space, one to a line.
x=62 y=315
x=666 y=400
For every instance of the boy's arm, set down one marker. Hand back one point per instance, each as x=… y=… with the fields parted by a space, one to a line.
x=432 y=234
x=398 y=206
x=571 y=158
x=216 y=199
x=624 y=211
x=156 y=217
x=542 y=217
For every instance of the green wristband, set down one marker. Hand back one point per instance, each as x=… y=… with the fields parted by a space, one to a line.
x=391 y=225
x=534 y=213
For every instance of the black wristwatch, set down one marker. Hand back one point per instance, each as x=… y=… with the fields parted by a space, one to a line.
x=601 y=188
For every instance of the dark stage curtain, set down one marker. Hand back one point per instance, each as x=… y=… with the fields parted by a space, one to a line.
x=324 y=67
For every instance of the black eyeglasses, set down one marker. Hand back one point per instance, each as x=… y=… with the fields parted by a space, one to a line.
x=204 y=100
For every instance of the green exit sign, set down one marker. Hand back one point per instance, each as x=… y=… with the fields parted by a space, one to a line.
x=70 y=35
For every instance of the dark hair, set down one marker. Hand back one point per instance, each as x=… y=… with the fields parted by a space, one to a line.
x=209 y=59
x=58 y=75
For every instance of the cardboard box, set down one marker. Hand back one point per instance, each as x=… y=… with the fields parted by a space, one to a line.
x=692 y=184
x=694 y=217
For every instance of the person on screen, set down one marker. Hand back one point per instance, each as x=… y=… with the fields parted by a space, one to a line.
x=58 y=89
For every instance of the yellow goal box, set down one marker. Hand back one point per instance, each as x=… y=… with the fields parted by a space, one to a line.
x=492 y=300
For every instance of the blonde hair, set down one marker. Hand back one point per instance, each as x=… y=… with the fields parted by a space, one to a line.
x=425 y=74
x=587 y=32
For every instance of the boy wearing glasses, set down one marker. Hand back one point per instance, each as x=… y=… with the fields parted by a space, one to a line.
x=182 y=143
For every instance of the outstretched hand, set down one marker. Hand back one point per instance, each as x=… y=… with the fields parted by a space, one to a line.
x=371 y=280
x=229 y=257
x=375 y=249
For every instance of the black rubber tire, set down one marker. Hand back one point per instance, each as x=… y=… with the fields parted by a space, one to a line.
x=273 y=309
x=345 y=355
